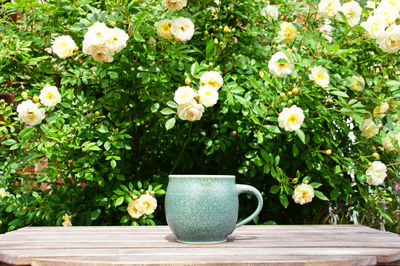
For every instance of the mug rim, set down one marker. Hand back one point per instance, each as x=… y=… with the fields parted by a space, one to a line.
x=202 y=176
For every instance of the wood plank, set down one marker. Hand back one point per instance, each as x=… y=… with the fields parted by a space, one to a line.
x=302 y=244
x=27 y=256
x=156 y=243
x=215 y=260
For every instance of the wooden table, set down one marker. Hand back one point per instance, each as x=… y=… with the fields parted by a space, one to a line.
x=250 y=245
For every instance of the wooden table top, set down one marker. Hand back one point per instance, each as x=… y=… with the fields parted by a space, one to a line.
x=250 y=245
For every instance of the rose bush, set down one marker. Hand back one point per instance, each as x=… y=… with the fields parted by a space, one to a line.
x=297 y=98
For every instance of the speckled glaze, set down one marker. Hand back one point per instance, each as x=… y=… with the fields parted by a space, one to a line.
x=204 y=208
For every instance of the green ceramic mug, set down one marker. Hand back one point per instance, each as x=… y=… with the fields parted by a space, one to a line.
x=204 y=208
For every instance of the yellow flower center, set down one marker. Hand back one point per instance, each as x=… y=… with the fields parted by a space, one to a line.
x=281 y=66
x=31 y=115
x=292 y=119
x=49 y=96
x=147 y=204
x=98 y=34
x=320 y=76
x=166 y=27
x=213 y=82
x=183 y=29
x=304 y=194
x=288 y=32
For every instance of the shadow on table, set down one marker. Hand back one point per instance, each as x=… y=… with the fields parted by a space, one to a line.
x=172 y=238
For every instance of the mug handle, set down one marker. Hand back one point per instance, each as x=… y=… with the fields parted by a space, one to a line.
x=249 y=189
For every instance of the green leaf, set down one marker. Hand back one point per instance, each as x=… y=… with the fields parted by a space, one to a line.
x=95 y=214
x=393 y=83
x=301 y=135
x=113 y=75
x=125 y=219
x=9 y=142
x=44 y=128
x=334 y=194
x=119 y=192
x=335 y=48
x=193 y=68
x=210 y=49
x=113 y=163
x=340 y=93
x=320 y=195
x=155 y=107
x=170 y=123
x=284 y=200
x=107 y=145
x=167 y=111
x=295 y=150
x=65 y=105
x=315 y=184
x=254 y=82
x=273 y=129
x=260 y=138
x=103 y=129
x=172 y=104
x=119 y=201
x=274 y=189
x=26 y=133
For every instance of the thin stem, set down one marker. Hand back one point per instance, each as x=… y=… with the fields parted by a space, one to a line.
x=392 y=164
x=183 y=149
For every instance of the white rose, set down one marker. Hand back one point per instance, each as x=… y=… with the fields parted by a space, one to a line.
x=101 y=53
x=394 y=3
x=326 y=30
x=387 y=141
x=182 y=28
x=376 y=173
x=191 y=111
x=116 y=40
x=212 y=78
x=146 y=204
x=64 y=46
x=270 y=12
x=320 y=76
x=375 y=26
x=369 y=128
x=381 y=110
x=328 y=8
x=30 y=113
x=288 y=31
x=66 y=223
x=184 y=95
x=358 y=83
x=389 y=42
x=208 y=95
x=291 y=118
x=164 y=28
x=97 y=34
x=371 y=4
x=387 y=12
x=303 y=194
x=133 y=211
x=327 y=26
x=4 y=193
x=280 y=69
x=352 y=11
x=49 y=96
x=174 y=5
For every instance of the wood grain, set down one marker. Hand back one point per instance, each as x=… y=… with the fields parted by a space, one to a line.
x=155 y=245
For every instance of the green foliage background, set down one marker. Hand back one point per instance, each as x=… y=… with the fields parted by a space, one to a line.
x=98 y=161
